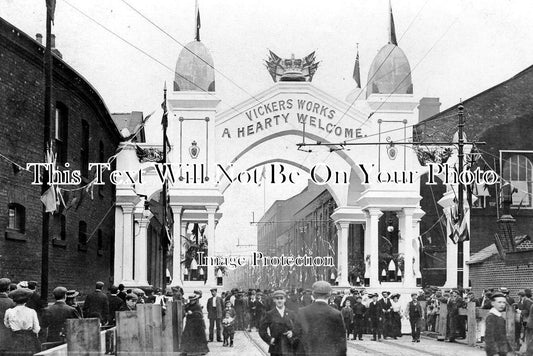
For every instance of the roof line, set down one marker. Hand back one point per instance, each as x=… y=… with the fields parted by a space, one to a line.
x=453 y=107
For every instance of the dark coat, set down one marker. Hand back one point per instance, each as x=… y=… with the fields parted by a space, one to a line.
x=321 y=330
x=385 y=305
x=359 y=310
x=5 y=333
x=115 y=304
x=453 y=319
x=35 y=303
x=374 y=312
x=95 y=304
x=496 y=336
x=215 y=312
x=194 y=338
x=276 y=326
x=415 y=311
x=54 y=318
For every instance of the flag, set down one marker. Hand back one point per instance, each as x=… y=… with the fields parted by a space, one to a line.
x=392 y=34
x=49 y=199
x=262 y=177
x=356 y=71
x=198 y=25
x=51 y=8
x=459 y=226
x=164 y=119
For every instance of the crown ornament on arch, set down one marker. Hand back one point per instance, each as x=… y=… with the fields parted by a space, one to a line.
x=291 y=69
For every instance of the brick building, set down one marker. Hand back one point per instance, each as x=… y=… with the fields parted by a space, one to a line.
x=501 y=116
x=82 y=231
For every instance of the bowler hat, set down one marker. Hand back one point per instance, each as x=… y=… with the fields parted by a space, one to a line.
x=20 y=295
x=213 y=289
x=321 y=287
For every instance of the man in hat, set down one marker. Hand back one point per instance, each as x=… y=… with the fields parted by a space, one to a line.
x=454 y=303
x=319 y=327
x=5 y=304
x=277 y=327
x=386 y=310
x=375 y=316
x=56 y=315
x=115 y=304
x=359 y=312
x=96 y=304
x=496 y=342
x=255 y=310
x=215 y=310
x=35 y=301
x=240 y=309
x=415 y=314
x=71 y=301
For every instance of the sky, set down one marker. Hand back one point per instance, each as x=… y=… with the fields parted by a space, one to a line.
x=456 y=48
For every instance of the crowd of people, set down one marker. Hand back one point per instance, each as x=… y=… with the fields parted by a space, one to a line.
x=298 y=322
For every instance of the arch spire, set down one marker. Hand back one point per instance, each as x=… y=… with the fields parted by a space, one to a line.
x=392 y=30
x=197 y=18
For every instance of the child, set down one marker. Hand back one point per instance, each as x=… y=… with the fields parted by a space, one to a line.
x=347 y=316
x=496 y=342
x=229 y=330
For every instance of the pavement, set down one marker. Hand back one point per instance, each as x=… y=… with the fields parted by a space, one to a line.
x=250 y=344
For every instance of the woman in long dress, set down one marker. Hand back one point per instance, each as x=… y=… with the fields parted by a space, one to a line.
x=23 y=323
x=194 y=339
x=396 y=317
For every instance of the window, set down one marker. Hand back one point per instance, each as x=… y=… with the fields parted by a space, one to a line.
x=517 y=170
x=61 y=222
x=82 y=236
x=17 y=217
x=84 y=152
x=61 y=132
x=100 y=243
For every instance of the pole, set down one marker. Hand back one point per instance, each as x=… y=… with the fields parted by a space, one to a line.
x=460 y=187
x=164 y=242
x=46 y=141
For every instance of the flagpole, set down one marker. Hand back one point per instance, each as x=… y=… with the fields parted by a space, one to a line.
x=460 y=213
x=46 y=139
x=164 y=242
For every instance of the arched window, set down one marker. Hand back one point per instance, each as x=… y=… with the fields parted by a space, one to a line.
x=82 y=233
x=17 y=217
x=518 y=170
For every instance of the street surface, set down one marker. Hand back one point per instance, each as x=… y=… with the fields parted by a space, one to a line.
x=250 y=344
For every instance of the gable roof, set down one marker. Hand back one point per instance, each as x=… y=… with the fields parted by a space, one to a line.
x=492 y=250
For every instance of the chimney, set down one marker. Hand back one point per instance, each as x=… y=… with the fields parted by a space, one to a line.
x=428 y=107
x=39 y=38
x=54 y=49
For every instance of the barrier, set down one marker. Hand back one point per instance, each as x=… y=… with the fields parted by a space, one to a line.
x=475 y=319
x=150 y=329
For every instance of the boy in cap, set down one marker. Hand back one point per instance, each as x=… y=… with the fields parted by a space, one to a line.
x=320 y=327
x=496 y=342
x=347 y=316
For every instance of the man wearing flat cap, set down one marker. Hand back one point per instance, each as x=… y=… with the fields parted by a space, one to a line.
x=277 y=327
x=319 y=327
x=5 y=304
x=215 y=308
x=56 y=315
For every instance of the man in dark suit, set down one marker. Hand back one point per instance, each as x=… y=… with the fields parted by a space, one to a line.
x=496 y=342
x=277 y=327
x=415 y=314
x=386 y=309
x=319 y=327
x=115 y=304
x=96 y=304
x=35 y=301
x=5 y=304
x=56 y=315
x=375 y=315
x=255 y=309
x=215 y=309
x=359 y=312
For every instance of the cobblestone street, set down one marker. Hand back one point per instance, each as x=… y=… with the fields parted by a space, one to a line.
x=251 y=344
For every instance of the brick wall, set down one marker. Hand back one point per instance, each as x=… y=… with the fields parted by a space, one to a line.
x=21 y=139
x=493 y=273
